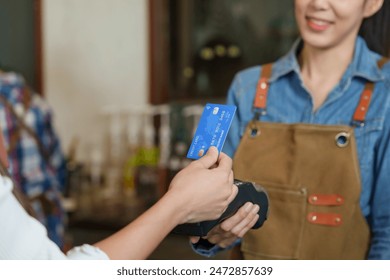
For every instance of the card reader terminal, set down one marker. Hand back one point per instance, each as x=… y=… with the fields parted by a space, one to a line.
x=247 y=192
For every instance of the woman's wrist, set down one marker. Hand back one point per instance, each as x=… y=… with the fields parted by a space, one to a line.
x=177 y=206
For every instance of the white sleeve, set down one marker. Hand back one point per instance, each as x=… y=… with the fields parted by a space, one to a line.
x=23 y=237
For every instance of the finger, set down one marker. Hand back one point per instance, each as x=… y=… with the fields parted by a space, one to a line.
x=233 y=194
x=247 y=223
x=231 y=176
x=227 y=242
x=250 y=225
x=236 y=219
x=220 y=236
x=210 y=158
x=213 y=231
x=215 y=239
x=225 y=162
x=194 y=239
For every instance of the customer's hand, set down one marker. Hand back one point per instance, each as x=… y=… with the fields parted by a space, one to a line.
x=234 y=227
x=204 y=189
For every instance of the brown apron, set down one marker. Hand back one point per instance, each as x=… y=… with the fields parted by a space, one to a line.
x=312 y=176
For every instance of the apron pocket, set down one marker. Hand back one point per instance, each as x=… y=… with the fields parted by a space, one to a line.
x=280 y=236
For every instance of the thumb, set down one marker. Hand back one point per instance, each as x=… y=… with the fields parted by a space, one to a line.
x=194 y=239
x=210 y=158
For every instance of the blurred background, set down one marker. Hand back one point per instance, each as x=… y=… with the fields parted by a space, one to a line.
x=126 y=81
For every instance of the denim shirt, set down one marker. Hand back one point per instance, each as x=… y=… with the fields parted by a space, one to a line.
x=290 y=102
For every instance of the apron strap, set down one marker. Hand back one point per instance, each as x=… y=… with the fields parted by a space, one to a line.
x=260 y=102
x=382 y=62
x=365 y=98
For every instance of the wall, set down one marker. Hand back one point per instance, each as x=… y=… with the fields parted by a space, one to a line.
x=17 y=38
x=95 y=55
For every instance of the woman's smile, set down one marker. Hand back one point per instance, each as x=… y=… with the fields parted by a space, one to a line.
x=317 y=25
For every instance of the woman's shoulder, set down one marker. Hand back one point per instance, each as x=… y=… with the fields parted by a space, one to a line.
x=250 y=73
x=382 y=88
x=385 y=72
x=386 y=66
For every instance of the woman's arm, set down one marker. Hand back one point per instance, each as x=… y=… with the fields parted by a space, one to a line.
x=198 y=192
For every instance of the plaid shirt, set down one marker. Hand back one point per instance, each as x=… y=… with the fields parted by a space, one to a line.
x=41 y=179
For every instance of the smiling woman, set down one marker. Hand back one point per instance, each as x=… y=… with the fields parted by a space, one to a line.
x=324 y=24
x=323 y=110
x=331 y=25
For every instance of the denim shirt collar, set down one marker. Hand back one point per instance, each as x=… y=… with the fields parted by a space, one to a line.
x=364 y=63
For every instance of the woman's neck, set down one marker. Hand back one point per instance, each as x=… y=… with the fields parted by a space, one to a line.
x=322 y=69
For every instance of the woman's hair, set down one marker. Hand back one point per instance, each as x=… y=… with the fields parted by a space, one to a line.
x=376 y=30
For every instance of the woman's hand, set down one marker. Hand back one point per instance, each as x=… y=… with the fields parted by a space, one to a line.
x=234 y=227
x=204 y=189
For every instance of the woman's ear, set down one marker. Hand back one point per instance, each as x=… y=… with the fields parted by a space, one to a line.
x=371 y=7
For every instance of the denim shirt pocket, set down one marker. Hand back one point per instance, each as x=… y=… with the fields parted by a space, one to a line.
x=366 y=137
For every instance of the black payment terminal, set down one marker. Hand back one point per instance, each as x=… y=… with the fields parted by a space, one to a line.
x=247 y=192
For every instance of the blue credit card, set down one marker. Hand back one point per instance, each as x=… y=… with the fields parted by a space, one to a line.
x=212 y=129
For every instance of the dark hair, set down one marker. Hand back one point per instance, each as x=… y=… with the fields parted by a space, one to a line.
x=376 y=30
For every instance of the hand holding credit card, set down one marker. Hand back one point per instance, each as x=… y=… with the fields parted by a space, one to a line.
x=212 y=129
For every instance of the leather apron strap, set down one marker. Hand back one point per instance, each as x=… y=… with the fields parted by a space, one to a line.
x=365 y=98
x=262 y=87
x=260 y=102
